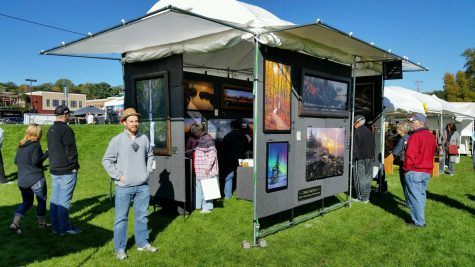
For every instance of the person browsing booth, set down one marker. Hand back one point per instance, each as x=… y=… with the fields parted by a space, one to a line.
x=418 y=164
x=128 y=160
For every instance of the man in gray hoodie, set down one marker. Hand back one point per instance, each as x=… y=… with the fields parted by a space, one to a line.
x=128 y=160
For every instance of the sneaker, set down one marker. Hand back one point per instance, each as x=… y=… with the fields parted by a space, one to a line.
x=72 y=231
x=205 y=211
x=148 y=248
x=413 y=225
x=121 y=255
x=360 y=201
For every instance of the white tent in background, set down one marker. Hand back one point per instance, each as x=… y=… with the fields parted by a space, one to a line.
x=401 y=101
x=398 y=102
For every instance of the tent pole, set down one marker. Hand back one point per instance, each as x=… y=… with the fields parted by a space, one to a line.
x=353 y=85
x=254 y=145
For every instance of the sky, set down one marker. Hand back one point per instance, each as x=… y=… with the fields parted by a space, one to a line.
x=433 y=33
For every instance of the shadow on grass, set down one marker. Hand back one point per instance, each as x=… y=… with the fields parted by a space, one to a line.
x=36 y=245
x=392 y=204
x=471 y=197
x=450 y=202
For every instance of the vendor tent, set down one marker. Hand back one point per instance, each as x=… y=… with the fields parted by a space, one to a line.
x=228 y=38
x=403 y=100
x=219 y=35
x=90 y=109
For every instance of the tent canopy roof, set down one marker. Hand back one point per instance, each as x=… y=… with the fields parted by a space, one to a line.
x=88 y=109
x=209 y=26
x=400 y=100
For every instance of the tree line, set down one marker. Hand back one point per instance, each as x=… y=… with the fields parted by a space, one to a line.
x=91 y=90
x=460 y=87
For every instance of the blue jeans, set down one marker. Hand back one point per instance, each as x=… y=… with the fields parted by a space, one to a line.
x=140 y=194
x=363 y=178
x=402 y=178
x=416 y=184
x=63 y=188
x=39 y=190
x=228 y=184
x=201 y=203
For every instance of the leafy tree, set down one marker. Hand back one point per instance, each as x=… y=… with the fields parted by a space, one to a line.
x=98 y=90
x=48 y=87
x=461 y=86
x=469 y=55
x=440 y=94
x=9 y=87
x=450 y=87
x=61 y=83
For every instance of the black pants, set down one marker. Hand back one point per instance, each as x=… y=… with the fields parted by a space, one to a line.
x=2 y=170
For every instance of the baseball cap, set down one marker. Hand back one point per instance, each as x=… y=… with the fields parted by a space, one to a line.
x=61 y=110
x=358 y=118
x=418 y=117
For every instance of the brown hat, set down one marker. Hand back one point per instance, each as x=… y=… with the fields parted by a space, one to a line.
x=129 y=112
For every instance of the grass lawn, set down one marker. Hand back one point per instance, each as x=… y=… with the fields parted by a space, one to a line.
x=371 y=234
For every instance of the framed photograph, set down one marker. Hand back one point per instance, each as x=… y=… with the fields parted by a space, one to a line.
x=277 y=97
x=199 y=95
x=153 y=105
x=322 y=96
x=236 y=98
x=277 y=162
x=364 y=99
x=218 y=128
x=324 y=153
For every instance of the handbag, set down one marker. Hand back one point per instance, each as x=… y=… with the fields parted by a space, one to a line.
x=210 y=187
x=453 y=150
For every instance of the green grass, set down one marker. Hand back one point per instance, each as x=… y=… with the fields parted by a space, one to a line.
x=364 y=235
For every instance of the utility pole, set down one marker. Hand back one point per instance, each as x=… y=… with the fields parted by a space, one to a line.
x=31 y=91
x=418 y=85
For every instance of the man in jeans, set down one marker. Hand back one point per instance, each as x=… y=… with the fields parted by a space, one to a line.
x=418 y=165
x=128 y=160
x=64 y=165
x=363 y=152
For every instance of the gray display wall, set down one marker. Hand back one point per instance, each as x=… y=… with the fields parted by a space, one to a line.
x=168 y=179
x=268 y=203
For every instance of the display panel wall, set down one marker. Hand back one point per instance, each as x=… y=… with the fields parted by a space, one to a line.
x=299 y=191
x=168 y=179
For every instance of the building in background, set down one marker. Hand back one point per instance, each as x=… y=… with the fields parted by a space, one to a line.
x=45 y=102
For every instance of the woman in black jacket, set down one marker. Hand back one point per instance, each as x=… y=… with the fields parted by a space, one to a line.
x=31 y=179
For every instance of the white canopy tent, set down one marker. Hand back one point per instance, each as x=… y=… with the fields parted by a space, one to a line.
x=400 y=102
x=209 y=33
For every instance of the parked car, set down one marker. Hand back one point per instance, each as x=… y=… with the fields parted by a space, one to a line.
x=11 y=120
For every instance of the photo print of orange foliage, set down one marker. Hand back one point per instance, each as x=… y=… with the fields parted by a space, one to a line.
x=277 y=92
x=199 y=95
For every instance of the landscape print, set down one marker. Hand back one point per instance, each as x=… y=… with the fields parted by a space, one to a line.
x=364 y=96
x=322 y=95
x=277 y=97
x=199 y=95
x=236 y=98
x=277 y=166
x=324 y=153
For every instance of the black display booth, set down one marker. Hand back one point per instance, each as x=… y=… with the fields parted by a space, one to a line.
x=304 y=117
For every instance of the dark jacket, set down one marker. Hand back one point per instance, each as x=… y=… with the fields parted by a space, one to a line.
x=399 y=150
x=29 y=159
x=235 y=145
x=420 y=151
x=364 y=145
x=63 y=154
